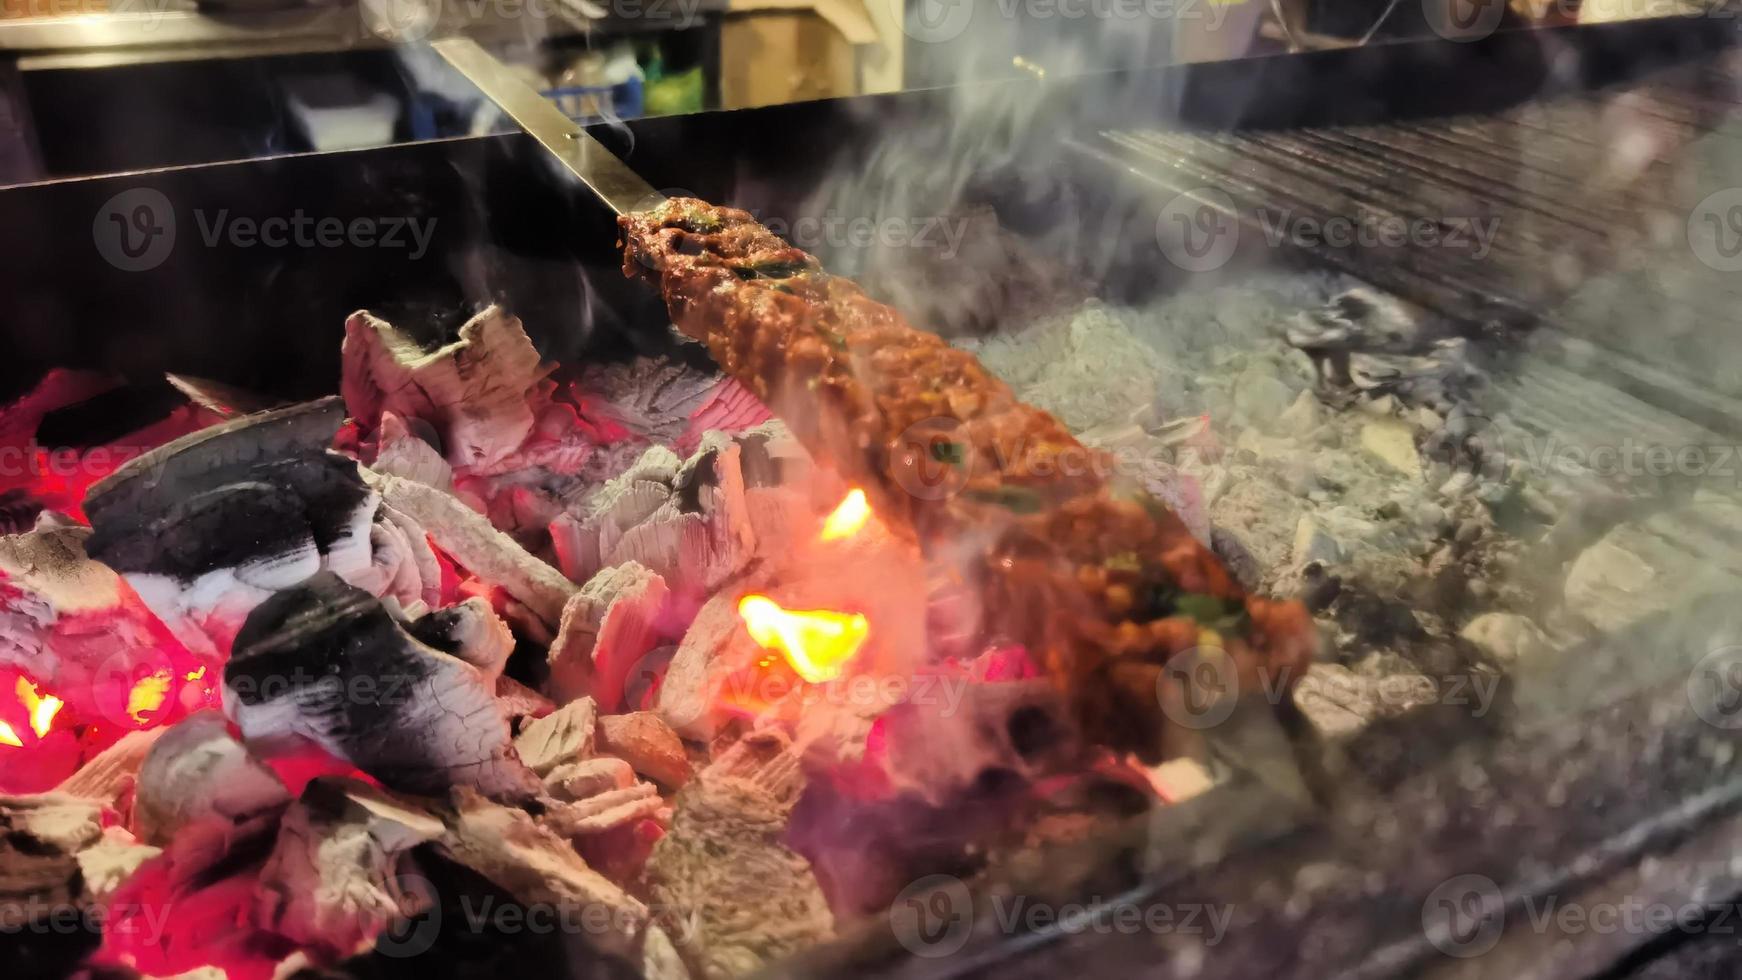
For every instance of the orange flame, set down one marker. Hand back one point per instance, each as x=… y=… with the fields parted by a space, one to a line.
x=42 y=709
x=849 y=517
x=817 y=643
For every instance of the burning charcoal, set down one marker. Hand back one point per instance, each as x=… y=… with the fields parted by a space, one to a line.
x=224 y=401
x=197 y=771
x=606 y=630
x=564 y=736
x=723 y=871
x=207 y=527
x=325 y=661
x=334 y=880
x=539 y=867
x=580 y=780
x=687 y=521
x=113 y=772
x=716 y=643
x=766 y=759
x=731 y=408
x=604 y=811
x=484 y=551
x=403 y=453
x=73 y=627
x=648 y=744
x=470 y=631
x=520 y=701
x=107 y=864
x=656 y=398
x=475 y=391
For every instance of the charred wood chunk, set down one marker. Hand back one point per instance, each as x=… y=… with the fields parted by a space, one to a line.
x=201 y=460
x=609 y=625
x=486 y=552
x=338 y=873
x=326 y=662
x=538 y=867
x=207 y=526
x=476 y=392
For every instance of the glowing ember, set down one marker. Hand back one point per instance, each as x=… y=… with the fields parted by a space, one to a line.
x=849 y=517
x=817 y=643
x=42 y=709
x=10 y=737
x=148 y=695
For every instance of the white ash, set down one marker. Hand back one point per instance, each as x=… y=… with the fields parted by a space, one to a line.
x=484 y=551
x=474 y=390
x=198 y=771
x=691 y=520
x=334 y=880
x=1299 y=497
x=564 y=736
x=606 y=629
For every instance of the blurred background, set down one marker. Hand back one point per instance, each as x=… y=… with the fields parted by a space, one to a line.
x=104 y=86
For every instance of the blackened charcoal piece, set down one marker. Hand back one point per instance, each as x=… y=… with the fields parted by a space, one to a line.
x=231 y=526
x=325 y=661
x=210 y=525
x=201 y=460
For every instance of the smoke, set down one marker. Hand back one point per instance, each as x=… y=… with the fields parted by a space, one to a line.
x=997 y=131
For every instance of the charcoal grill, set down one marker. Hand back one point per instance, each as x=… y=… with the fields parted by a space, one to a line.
x=1331 y=885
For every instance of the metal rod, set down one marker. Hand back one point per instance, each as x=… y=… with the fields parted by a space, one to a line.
x=610 y=179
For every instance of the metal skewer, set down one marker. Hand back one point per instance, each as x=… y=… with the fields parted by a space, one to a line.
x=610 y=179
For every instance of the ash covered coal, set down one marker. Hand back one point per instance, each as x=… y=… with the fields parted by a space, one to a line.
x=325 y=661
x=206 y=527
